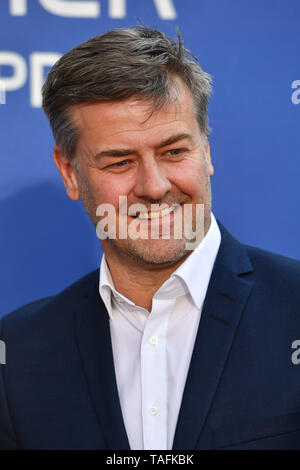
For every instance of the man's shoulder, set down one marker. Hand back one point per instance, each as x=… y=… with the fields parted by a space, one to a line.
x=53 y=306
x=246 y=258
x=272 y=280
x=276 y=279
x=273 y=264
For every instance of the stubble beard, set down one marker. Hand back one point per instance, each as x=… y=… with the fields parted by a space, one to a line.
x=160 y=251
x=143 y=251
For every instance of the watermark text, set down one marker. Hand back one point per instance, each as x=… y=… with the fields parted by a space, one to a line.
x=2 y=352
x=159 y=221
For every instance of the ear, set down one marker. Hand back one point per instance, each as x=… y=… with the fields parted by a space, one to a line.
x=67 y=172
x=208 y=160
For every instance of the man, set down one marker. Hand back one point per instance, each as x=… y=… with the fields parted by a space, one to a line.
x=170 y=347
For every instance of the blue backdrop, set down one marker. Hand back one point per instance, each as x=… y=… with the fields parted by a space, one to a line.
x=251 y=47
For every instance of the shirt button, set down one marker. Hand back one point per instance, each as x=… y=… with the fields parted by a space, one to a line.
x=153 y=410
x=119 y=299
x=153 y=340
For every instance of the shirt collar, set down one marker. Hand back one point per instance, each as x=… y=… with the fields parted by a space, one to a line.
x=182 y=281
x=196 y=270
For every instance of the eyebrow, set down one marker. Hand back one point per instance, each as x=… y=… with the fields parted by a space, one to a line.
x=124 y=152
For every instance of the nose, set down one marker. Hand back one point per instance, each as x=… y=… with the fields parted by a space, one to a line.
x=152 y=181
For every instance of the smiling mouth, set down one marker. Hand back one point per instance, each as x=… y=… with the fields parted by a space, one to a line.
x=156 y=214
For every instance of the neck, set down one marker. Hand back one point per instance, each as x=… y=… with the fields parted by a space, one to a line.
x=138 y=281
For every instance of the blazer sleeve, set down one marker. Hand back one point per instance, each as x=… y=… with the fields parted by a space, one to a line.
x=8 y=439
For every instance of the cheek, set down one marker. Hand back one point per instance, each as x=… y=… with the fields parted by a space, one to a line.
x=107 y=190
x=191 y=178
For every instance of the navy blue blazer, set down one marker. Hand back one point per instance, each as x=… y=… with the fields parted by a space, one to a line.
x=58 y=388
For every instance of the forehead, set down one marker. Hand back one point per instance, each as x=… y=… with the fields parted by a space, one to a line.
x=133 y=119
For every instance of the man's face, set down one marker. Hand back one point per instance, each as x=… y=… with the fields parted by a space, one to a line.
x=161 y=159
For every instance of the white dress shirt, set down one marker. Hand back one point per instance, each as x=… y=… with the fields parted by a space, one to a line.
x=152 y=351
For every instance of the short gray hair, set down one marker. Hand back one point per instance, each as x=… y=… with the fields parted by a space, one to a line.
x=122 y=63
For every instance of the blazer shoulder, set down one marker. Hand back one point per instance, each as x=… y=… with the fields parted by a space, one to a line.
x=279 y=271
x=270 y=260
x=63 y=300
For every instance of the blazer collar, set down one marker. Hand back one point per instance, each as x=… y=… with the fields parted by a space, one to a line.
x=94 y=343
x=226 y=298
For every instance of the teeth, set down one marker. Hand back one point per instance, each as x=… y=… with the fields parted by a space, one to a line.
x=155 y=215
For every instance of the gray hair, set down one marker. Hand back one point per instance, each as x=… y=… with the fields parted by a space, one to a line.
x=135 y=62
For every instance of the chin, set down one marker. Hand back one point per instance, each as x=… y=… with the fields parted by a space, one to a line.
x=157 y=251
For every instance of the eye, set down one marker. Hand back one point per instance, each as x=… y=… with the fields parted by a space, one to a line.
x=175 y=152
x=119 y=164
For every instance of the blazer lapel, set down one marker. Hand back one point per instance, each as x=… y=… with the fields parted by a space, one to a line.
x=225 y=301
x=94 y=342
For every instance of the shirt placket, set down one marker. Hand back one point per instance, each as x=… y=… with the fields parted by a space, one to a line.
x=154 y=382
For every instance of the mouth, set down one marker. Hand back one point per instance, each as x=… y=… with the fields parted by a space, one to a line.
x=156 y=214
